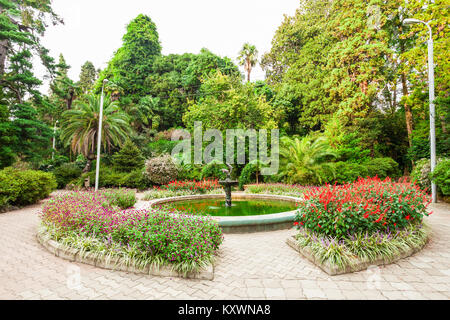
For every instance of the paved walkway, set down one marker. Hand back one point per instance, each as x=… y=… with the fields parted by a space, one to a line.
x=249 y=266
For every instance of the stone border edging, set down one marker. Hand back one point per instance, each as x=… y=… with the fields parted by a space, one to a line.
x=359 y=265
x=117 y=264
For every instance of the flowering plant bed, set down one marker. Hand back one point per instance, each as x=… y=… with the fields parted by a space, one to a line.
x=87 y=223
x=281 y=189
x=370 y=221
x=184 y=188
x=359 y=251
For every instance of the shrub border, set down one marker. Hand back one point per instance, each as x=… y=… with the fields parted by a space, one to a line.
x=359 y=264
x=116 y=264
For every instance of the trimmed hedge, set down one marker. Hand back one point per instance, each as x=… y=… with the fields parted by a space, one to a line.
x=109 y=178
x=21 y=188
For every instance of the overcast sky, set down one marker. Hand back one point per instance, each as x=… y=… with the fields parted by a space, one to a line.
x=93 y=29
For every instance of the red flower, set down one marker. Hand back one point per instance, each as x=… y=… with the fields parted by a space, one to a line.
x=408 y=217
x=295 y=223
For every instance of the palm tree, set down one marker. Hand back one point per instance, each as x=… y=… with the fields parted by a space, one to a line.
x=80 y=127
x=305 y=160
x=248 y=57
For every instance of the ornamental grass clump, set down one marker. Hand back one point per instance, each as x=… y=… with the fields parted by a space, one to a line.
x=88 y=220
x=367 y=205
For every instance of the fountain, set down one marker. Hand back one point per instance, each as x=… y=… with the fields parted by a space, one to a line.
x=247 y=213
x=227 y=184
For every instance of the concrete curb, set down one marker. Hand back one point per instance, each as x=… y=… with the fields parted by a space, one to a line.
x=358 y=265
x=74 y=255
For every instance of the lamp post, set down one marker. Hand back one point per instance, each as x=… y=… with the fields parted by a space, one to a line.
x=99 y=137
x=54 y=140
x=431 y=97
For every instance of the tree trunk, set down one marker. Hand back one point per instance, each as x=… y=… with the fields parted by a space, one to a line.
x=88 y=166
x=408 y=112
x=3 y=53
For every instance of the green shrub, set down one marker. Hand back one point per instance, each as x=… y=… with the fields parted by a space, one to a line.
x=66 y=173
x=347 y=172
x=20 y=188
x=121 y=198
x=190 y=172
x=49 y=165
x=213 y=170
x=109 y=178
x=162 y=146
x=421 y=172
x=161 y=170
x=251 y=173
x=382 y=167
x=441 y=176
x=129 y=158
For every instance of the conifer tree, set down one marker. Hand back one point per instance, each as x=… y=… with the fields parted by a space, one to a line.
x=129 y=158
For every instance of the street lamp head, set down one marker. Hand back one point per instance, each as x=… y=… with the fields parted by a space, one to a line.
x=411 y=21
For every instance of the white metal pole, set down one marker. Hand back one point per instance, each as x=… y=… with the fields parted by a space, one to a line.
x=432 y=112
x=431 y=97
x=54 y=140
x=99 y=139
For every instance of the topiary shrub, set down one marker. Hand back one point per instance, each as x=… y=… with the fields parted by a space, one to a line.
x=129 y=158
x=20 y=188
x=213 y=170
x=66 y=173
x=161 y=170
x=441 y=176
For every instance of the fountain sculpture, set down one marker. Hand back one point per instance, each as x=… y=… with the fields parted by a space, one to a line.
x=227 y=184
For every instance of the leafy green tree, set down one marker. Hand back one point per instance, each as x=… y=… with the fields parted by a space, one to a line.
x=129 y=158
x=80 y=127
x=248 y=57
x=228 y=104
x=175 y=80
x=305 y=160
x=132 y=63
x=88 y=75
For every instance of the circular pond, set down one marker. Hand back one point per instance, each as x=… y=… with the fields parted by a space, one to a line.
x=240 y=207
x=249 y=212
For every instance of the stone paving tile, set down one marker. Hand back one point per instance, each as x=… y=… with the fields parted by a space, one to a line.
x=249 y=266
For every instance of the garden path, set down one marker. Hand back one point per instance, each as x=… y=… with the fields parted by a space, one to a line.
x=249 y=266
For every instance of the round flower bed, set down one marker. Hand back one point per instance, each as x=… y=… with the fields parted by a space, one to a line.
x=369 y=220
x=88 y=221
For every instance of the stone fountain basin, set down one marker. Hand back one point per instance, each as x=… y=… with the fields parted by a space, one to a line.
x=244 y=224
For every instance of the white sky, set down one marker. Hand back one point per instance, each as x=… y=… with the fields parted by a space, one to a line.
x=93 y=29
